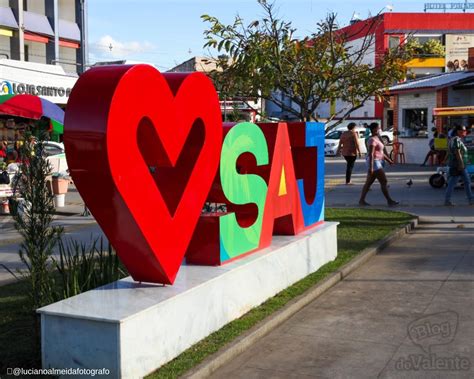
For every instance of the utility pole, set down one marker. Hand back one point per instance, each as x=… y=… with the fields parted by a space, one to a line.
x=84 y=48
x=56 y=30
x=21 y=30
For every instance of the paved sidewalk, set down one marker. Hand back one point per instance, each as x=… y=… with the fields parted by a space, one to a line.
x=76 y=226
x=407 y=313
x=70 y=216
x=417 y=294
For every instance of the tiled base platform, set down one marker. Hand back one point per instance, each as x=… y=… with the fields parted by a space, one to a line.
x=134 y=328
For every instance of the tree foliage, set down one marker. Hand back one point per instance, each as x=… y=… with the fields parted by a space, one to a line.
x=265 y=59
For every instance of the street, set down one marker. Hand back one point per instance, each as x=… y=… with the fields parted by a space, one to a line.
x=77 y=227
x=417 y=195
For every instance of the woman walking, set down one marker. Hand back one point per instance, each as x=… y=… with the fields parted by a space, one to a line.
x=349 y=145
x=375 y=162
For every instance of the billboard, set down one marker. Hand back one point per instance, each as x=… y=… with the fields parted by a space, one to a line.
x=457 y=46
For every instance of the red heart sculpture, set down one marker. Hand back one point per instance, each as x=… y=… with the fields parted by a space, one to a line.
x=122 y=125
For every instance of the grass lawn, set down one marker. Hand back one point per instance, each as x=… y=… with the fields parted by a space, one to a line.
x=19 y=346
x=358 y=229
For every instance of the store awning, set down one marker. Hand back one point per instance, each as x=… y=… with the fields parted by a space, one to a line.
x=7 y=18
x=453 y=111
x=69 y=30
x=426 y=62
x=34 y=107
x=433 y=82
x=37 y=23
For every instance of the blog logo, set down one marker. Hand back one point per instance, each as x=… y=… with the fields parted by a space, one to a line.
x=434 y=329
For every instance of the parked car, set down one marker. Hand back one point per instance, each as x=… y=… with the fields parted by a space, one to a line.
x=385 y=135
x=330 y=125
x=55 y=154
x=332 y=140
x=52 y=151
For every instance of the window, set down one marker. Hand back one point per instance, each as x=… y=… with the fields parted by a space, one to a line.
x=393 y=42
x=389 y=119
x=25 y=5
x=49 y=150
x=415 y=122
x=334 y=135
x=27 y=53
x=424 y=39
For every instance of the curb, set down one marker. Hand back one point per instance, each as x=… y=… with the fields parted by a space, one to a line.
x=238 y=346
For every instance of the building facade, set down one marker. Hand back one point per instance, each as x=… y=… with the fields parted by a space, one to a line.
x=42 y=46
x=233 y=109
x=416 y=105
x=453 y=31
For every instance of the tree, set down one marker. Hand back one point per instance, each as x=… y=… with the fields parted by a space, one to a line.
x=33 y=219
x=266 y=60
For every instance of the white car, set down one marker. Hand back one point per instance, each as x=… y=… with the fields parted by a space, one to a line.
x=332 y=140
x=329 y=126
x=385 y=135
x=54 y=153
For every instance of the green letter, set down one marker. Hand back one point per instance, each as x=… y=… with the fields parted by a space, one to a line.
x=242 y=189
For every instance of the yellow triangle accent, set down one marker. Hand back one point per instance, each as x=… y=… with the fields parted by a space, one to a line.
x=282 y=190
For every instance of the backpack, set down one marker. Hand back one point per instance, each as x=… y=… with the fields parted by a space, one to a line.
x=4 y=178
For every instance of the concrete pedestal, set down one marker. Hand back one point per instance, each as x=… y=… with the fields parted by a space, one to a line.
x=134 y=328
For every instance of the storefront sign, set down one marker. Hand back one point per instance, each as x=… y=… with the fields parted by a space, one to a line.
x=457 y=46
x=9 y=88
x=449 y=6
x=453 y=111
x=146 y=162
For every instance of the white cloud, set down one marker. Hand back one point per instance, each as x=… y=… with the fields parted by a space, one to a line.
x=107 y=48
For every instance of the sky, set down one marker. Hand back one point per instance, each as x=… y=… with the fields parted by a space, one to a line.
x=168 y=32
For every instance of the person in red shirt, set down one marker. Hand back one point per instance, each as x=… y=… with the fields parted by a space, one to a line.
x=349 y=146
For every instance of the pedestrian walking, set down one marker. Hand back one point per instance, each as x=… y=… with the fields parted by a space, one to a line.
x=349 y=146
x=376 y=158
x=457 y=161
